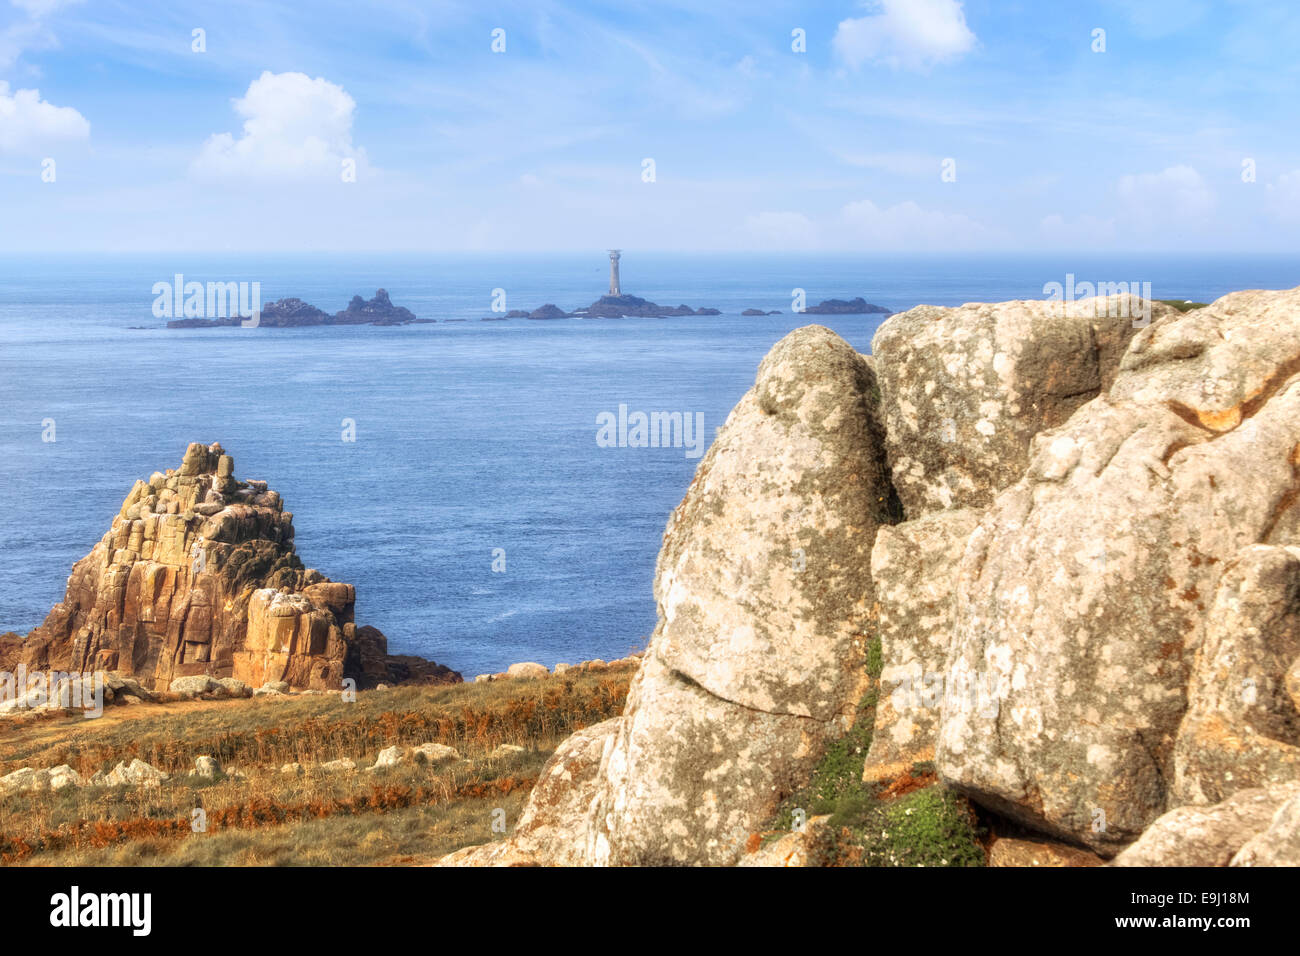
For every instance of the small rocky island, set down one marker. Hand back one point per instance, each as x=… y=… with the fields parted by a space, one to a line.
x=607 y=307
x=855 y=306
x=295 y=313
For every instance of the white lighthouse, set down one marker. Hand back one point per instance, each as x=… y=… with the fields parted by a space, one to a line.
x=614 y=288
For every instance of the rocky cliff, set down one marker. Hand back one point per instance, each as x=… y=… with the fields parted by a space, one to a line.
x=1076 y=538
x=198 y=575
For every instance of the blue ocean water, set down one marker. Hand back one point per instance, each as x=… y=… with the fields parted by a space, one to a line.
x=470 y=436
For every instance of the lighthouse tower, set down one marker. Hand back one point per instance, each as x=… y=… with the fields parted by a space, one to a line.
x=613 y=272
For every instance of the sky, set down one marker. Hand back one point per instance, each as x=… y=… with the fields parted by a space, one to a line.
x=886 y=126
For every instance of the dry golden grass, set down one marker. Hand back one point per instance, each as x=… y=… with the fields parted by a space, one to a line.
x=406 y=814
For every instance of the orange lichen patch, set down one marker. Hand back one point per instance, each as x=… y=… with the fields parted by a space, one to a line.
x=1190 y=594
x=1171 y=649
x=1170 y=583
x=753 y=843
x=907 y=783
x=884 y=773
x=1208 y=419
x=1221 y=421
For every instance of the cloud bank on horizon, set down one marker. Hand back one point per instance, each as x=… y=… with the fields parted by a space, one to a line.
x=892 y=125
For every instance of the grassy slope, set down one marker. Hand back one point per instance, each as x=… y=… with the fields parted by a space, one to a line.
x=405 y=814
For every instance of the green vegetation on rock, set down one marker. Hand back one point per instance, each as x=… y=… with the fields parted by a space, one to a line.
x=928 y=825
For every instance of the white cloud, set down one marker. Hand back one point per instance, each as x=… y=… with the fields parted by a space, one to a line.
x=36 y=9
x=29 y=123
x=1153 y=19
x=1174 y=194
x=908 y=226
x=1285 y=196
x=294 y=126
x=1084 y=231
x=786 y=230
x=912 y=34
x=899 y=163
x=29 y=34
x=17 y=38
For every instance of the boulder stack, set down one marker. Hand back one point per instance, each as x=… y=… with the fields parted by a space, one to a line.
x=1078 y=538
x=198 y=577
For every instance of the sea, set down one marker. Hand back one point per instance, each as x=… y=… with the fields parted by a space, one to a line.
x=451 y=471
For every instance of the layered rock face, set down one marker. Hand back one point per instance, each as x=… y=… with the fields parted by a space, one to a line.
x=758 y=659
x=198 y=576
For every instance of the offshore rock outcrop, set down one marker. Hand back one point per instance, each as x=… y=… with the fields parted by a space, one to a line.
x=292 y=313
x=608 y=307
x=854 y=306
x=198 y=575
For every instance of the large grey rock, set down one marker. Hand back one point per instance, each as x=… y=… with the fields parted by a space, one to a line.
x=64 y=776
x=1242 y=727
x=434 y=754
x=234 y=688
x=390 y=757
x=25 y=780
x=764 y=595
x=554 y=827
x=124 y=686
x=136 y=773
x=527 y=670
x=1084 y=592
x=1212 y=836
x=690 y=776
x=764 y=583
x=194 y=686
x=964 y=390
x=914 y=565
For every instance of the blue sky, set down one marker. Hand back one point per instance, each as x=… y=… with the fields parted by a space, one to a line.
x=756 y=146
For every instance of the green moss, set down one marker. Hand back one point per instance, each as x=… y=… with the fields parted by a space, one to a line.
x=875 y=659
x=930 y=827
x=838 y=775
